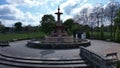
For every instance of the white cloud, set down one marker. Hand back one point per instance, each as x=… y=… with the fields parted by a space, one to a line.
x=29 y=18
x=78 y=9
x=33 y=3
x=10 y=10
x=15 y=2
x=9 y=14
x=29 y=3
x=65 y=17
x=70 y=5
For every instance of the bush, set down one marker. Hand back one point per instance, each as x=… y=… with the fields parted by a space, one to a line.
x=117 y=35
x=102 y=32
x=87 y=34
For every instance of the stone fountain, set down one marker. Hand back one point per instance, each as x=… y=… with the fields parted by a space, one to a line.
x=59 y=38
x=59 y=34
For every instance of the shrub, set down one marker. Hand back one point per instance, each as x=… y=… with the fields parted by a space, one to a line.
x=102 y=32
x=117 y=35
x=87 y=34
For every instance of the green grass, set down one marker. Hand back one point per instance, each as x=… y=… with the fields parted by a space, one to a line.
x=11 y=36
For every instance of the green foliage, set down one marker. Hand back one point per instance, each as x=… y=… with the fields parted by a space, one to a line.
x=68 y=23
x=102 y=32
x=117 y=19
x=75 y=28
x=18 y=26
x=2 y=28
x=106 y=35
x=47 y=19
x=86 y=29
x=117 y=34
x=87 y=34
x=47 y=23
x=47 y=27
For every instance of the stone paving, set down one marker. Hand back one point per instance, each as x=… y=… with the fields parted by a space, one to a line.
x=19 y=49
x=104 y=47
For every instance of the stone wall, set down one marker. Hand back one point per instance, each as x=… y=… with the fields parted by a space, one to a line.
x=59 y=39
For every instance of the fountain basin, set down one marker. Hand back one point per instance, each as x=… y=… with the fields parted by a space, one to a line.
x=57 y=45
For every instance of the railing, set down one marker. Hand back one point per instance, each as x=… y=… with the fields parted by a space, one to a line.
x=97 y=60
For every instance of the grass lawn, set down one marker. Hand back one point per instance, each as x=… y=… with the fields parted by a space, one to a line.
x=11 y=36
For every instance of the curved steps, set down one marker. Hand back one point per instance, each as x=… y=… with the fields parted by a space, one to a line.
x=43 y=63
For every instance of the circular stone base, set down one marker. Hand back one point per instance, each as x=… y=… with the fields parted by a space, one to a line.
x=38 y=45
x=4 y=44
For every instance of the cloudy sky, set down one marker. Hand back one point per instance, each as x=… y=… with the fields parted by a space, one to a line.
x=29 y=12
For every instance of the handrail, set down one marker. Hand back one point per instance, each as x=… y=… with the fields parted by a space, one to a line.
x=98 y=60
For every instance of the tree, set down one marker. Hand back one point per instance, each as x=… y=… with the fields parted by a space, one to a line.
x=99 y=12
x=111 y=10
x=28 y=28
x=47 y=23
x=112 y=7
x=68 y=23
x=117 y=19
x=117 y=35
x=86 y=29
x=102 y=32
x=18 y=26
x=2 y=28
x=76 y=28
x=117 y=25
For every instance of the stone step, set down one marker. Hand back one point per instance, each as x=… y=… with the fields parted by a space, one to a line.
x=16 y=64
x=79 y=61
x=44 y=62
x=39 y=59
x=41 y=63
x=6 y=66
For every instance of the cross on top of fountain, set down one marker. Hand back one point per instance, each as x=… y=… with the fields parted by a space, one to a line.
x=58 y=17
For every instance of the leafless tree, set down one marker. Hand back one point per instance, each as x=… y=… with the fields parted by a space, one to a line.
x=110 y=13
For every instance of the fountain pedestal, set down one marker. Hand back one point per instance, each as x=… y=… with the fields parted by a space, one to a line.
x=59 y=35
x=66 y=39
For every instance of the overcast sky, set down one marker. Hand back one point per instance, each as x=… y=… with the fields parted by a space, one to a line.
x=29 y=12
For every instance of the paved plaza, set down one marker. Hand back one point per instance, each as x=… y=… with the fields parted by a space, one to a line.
x=104 y=47
x=19 y=49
